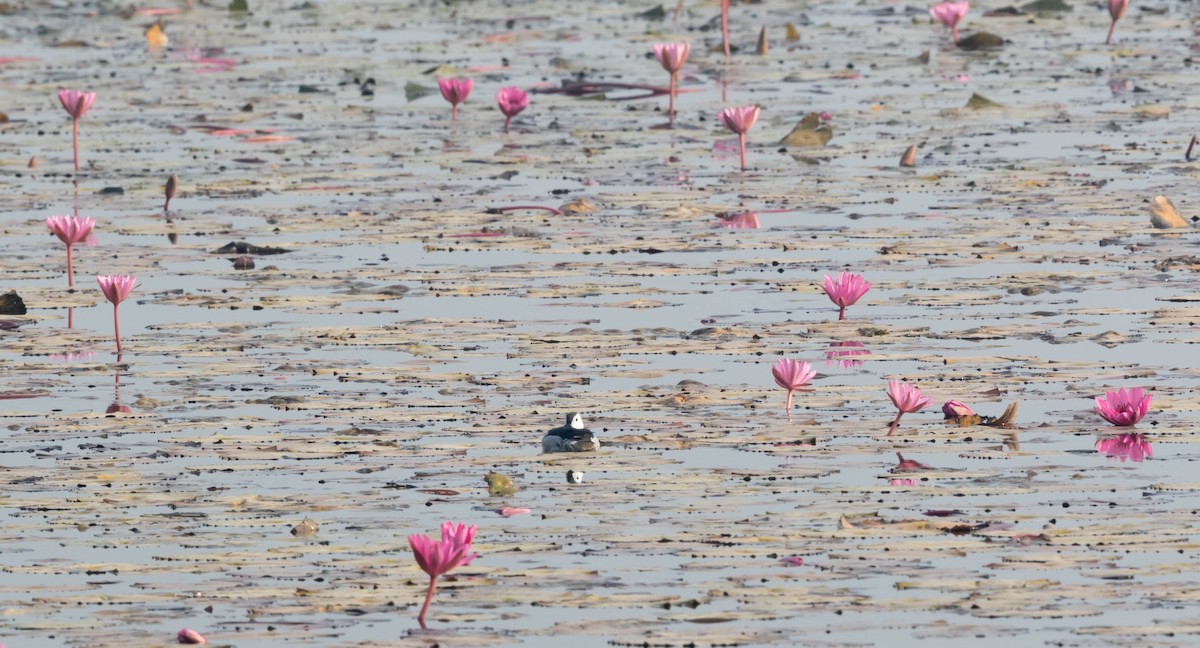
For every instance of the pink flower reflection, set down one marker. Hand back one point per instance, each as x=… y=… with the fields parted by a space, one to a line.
x=840 y=353
x=902 y=482
x=1133 y=447
x=72 y=356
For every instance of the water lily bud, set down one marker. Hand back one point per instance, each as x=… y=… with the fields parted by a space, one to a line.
x=172 y=184
x=188 y=636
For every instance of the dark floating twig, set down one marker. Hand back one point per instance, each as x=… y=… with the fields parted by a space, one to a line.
x=1188 y=156
x=589 y=88
x=501 y=210
x=242 y=247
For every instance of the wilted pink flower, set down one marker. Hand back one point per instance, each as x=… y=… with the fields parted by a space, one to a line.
x=672 y=56
x=455 y=91
x=907 y=398
x=826 y=116
x=791 y=375
x=740 y=220
x=1133 y=447
x=71 y=230
x=436 y=558
x=509 y=511
x=909 y=464
x=116 y=288
x=956 y=410
x=76 y=103
x=845 y=290
x=792 y=561
x=950 y=14
x=512 y=101
x=842 y=353
x=188 y=636
x=902 y=482
x=1122 y=407
x=1116 y=9
x=740 y=120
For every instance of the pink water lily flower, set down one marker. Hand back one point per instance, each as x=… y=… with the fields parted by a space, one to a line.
x=512 y=101
x=76 y=103
x=672 y=56
x=438 y=557
x=1133 y=447
x=845 y=290
x=740 y=120
x=455 y=91
x=71 y=230
x=955 y=410
x=950 y=14
x=907 y=398
x=116 y=288
x=1123 y=407
x=791 y=375
x=1116 y=9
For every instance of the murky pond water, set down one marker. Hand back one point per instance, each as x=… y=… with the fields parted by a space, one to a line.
x=409 y=341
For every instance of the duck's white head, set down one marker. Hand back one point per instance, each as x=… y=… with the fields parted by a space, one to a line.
x=575 y=420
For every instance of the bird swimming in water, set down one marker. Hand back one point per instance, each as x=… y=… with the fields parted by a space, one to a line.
x=572 y=437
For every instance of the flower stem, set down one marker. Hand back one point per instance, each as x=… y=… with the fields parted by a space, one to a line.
x=725 y=30
x=117 y=328
x=453 y=112
x=1111 y=27
x=842 y=313
x=428 y=598
x=788 y=406
x=742 y=147
x=75 y=142
x=506 y=120
x=895 y=423
x=671 y=108
x=70 y=269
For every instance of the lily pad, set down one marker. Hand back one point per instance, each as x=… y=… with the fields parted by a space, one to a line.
x=981 y=41
x=810 y=131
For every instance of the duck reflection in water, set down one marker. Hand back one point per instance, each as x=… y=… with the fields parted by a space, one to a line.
x=1132 y=447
